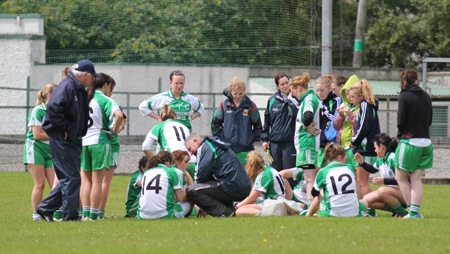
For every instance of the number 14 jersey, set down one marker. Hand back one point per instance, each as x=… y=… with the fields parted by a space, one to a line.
x=157 y=195
x=339 y=185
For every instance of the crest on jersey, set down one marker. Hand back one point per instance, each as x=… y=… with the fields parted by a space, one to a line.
x=245 y=112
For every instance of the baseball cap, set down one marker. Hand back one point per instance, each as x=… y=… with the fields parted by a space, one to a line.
x=87 y=66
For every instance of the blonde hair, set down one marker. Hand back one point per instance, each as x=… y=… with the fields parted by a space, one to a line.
x=333 y=151
x=363 y=88
x=236 y=84
x=168 y=113
x=42 y=95
x=325 y=80
x=302 y=81
x=254 y=166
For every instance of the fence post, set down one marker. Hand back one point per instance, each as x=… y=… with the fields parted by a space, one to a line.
x=388 y=115
x=28 y=112
x=128 y=114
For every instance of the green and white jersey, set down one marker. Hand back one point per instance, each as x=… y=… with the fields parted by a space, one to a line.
x=182 y=106
x=386 y=166
x=270 y=183
x=299 y=190
x=181 y=177
x=133 y=190
x=35 y=119
x=169 y=134
x=339 y=185
x=157 y=196
x=303 y=140
x=101 y=112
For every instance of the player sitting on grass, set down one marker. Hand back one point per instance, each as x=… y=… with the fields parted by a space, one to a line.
x=267 y=184
x=388 y=198
x=134 y=189
x=337 y=181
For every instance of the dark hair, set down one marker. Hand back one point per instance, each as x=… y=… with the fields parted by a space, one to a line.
x=408 y=78
x=333 y=151
x=160 y=158
x=143 y=162
x=280 y=76
x=176 y=73
x=179 y=155
x=98 y=83
x=340 y=80
x=388 y=142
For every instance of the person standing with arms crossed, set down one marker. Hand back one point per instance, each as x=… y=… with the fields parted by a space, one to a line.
x=415 y=151
x=66 y=123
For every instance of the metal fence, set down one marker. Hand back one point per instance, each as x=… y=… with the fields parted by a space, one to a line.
x=13 y=129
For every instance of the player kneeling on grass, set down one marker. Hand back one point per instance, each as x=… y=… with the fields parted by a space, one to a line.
x=299 y=191
x=388 y=198
x=267 y=184
x=160 y=186
x=337 y=181
x=134 y=189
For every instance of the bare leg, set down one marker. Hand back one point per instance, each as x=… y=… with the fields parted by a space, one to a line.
x=402 y=178
x=96 y=191
x=309 y=175
x=38 y=174
x=86 y=186
x=373 y=200
x=251 y=209
x=416 y=187
x=391 y=195
x=105 y=186
x=362 y=177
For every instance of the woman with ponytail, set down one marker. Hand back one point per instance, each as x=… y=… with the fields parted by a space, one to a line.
x=160 y=187
x=307 y=135
x=36 y=154
x=367 y=126
x=267 y=184
x=105 y=121
x=389 y=197
x=170 y=135
x=337 y=181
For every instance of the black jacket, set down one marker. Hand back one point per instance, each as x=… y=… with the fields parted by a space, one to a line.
x=327 y=110
x=415 y=113
x=367 y=126
x=279 y=119
x=216 y=161
x=67 y=109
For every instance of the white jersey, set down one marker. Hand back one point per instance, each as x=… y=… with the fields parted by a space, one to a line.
x=158 y=193
x=101 y=113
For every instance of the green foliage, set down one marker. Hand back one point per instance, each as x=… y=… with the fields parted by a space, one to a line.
x=250 y=234
x=178 y=32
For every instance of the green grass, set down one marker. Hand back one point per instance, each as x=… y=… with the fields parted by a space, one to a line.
x=251 y=234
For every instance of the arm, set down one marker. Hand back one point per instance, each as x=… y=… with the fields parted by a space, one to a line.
x=147 y=144
x=288 y=190
x=315 y=204
x=58 y=105
x=338 y=122
x=366 y=123
x=267 y=125
x=250 y=199
x=401 y=115
x=256 y=122
x=286 y=173
x=205 y=163
x=39 y=133
x=198 y=108
x=147 y=105
x=118 y=123
x=180 y=195
x=217 y=120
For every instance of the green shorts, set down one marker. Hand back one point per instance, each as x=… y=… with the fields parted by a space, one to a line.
x=115 y=159
x=321 y=162
x=96 y=157
x=411 y=158
x=324 y=213
x=38 y=153
x=242 y=156
x=306 y=157
x=182 y=209
x=362 y=210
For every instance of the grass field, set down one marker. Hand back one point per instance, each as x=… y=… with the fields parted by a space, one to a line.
x=19 y=234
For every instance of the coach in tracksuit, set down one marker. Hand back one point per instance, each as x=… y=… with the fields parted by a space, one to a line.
x=66 y=122
x=220 y=177
x=279 y=126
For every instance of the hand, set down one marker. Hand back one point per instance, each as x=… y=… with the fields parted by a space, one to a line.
x=378 y=180
x=200 y=212
x=265 y=145
x=312 y=130
x=110 y=133
x=65 y=135
x=358 y=158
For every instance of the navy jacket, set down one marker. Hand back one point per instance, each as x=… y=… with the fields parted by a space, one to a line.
x=279 y=119
x=414 y=114
x=239 y=126
x=67 y=109
x=327 y=111
x=217 y=162
x=367 y=126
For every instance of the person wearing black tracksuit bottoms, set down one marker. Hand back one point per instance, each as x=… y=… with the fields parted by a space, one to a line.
x=220 y=177
x=279 y=129
x=66 y=122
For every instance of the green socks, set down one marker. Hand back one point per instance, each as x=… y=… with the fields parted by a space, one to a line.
x=398 y=208
x=414 y=210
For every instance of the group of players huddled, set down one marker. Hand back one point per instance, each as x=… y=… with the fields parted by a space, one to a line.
x=322 y=147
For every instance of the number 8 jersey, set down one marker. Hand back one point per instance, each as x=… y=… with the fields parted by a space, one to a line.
x=157 y=195
x=340 y=198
